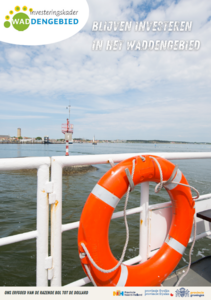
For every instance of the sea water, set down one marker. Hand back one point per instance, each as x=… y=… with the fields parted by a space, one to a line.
x=18 y=206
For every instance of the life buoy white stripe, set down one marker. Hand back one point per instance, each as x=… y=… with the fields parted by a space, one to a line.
x=123 y=277
x=180 y=248
x=177 y=178
x=105 y=195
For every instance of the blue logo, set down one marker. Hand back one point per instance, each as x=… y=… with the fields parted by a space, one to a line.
x=182 y=292
x=157 y=292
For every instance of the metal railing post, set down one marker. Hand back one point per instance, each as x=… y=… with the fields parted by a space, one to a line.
x=42 y=225
x=143 y=238
x=56 y=223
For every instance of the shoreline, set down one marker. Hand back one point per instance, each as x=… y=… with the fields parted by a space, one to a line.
x=109 y=142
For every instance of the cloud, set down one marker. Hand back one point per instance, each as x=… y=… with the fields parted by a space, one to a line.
x=134 y=90
x=13 y=117
x=70 y=65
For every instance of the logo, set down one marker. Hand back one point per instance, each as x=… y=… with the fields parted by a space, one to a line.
x=126 y=293
x=20 y=20
x=41 y=22
x=182 y=292
x=118 y=293
x=196 y=294
x=157 y=292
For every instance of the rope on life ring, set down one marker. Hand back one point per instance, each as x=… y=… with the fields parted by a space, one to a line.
x=96 y=257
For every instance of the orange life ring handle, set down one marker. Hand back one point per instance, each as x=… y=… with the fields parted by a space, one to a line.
x=99 y=207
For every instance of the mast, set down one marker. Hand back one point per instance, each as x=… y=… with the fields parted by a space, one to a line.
x=68 y=107
x=67 y=130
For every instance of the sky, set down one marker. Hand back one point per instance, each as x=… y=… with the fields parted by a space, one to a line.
x=145 y=95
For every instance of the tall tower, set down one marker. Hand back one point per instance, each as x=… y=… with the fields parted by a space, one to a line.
x=67 y=129
x=18 y=132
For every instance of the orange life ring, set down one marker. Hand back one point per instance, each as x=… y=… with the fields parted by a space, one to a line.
x=99 y=207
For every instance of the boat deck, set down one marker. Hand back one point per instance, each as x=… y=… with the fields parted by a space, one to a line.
x=198 y=275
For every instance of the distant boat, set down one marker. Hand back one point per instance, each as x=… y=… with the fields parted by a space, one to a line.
x=71 y=142
x=94 y=143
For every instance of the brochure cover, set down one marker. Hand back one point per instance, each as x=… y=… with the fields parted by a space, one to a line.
x=85 y=85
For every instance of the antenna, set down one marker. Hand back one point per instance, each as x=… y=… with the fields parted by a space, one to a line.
x=68 y=107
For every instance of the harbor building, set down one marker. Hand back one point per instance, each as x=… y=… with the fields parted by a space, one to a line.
x=46 y=139
x=4 y=137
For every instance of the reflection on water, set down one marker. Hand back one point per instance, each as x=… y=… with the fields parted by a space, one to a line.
x=18 y=207
x=19 y=150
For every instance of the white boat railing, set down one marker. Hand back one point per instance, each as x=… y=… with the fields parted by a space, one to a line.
x=49 y=193
x=42 y=165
